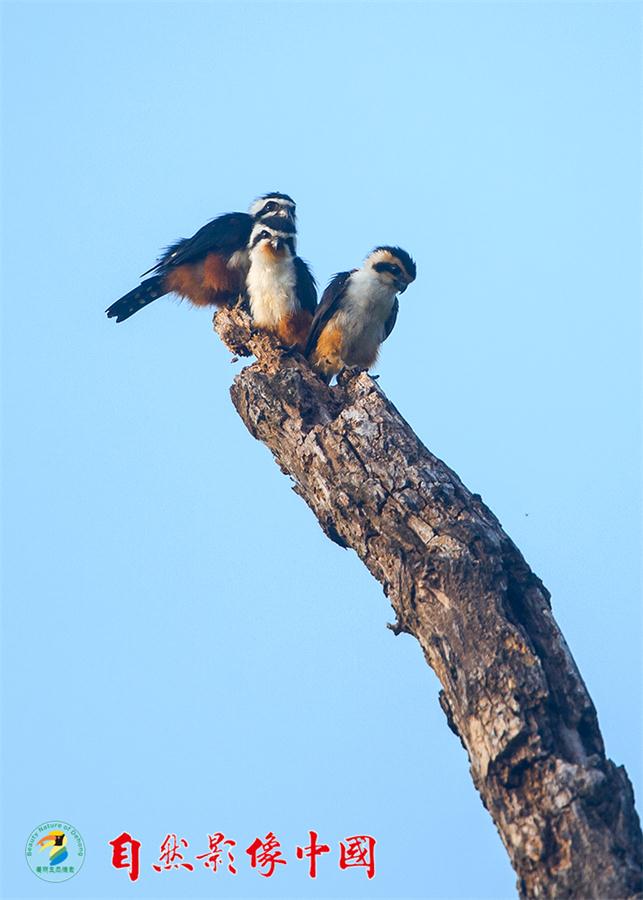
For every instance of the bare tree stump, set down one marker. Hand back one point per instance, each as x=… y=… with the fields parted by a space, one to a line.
x=511 y=690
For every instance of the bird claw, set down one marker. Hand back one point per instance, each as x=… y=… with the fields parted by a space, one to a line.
x=348 y=373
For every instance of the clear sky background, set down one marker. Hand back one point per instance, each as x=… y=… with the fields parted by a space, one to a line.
x=183 y=650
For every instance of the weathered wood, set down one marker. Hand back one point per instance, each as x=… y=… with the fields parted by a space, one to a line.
x=510 y=688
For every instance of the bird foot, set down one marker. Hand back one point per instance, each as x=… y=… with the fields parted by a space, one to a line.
x=348 y=373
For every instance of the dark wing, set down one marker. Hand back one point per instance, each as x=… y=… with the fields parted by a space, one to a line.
x=306 y=287
x=225 y=234
x=392 y=318
x=328 y=305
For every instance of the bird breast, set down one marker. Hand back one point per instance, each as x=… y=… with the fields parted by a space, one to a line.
x=366 y=307
x=271 y=286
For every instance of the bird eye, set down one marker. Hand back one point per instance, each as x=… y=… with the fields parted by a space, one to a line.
x=269 y=207
x=264 y=234
x=395 y=270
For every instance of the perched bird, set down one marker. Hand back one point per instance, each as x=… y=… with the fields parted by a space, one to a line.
x=280 y=286
x=210 y=268
x=357 y=312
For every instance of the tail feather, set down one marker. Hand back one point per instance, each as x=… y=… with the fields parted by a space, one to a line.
x=151 y=289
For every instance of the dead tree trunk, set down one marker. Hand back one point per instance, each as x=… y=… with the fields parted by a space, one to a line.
x=510 y=688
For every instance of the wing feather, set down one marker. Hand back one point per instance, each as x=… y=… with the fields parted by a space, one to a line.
x=225 y=234
x=306 y=286
x=392 y=318
x=328 y=306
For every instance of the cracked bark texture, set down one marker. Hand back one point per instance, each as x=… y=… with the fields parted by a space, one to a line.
x=511 y=690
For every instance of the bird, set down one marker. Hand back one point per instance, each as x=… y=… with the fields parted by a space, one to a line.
x=280 y=287
x=210 y=268
x=357 y=312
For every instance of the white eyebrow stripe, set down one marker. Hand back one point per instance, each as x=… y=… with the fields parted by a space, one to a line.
x=257 y=206
x=273 y=232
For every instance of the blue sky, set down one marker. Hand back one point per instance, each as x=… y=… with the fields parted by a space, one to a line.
x=183 y=650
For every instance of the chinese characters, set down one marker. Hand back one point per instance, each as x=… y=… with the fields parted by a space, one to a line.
x=265 y=854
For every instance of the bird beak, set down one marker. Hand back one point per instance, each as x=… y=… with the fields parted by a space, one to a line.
x=402 y=286
x=277 y=244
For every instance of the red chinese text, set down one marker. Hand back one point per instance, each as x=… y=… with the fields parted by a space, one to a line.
x=313 y=850
x=125 y=853
x=171 y=856
x=359 y=850
x=212 y=859
x=265 y=854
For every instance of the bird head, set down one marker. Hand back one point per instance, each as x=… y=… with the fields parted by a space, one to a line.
x=272 y=237
x=274 y=205
x=394 y=267
x=53 y=839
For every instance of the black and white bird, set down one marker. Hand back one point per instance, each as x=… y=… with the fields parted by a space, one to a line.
x=210 y=268
x=357 y=312
x=280 y=287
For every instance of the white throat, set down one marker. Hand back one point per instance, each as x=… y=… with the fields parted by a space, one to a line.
x=370 y=296
x=271 y=286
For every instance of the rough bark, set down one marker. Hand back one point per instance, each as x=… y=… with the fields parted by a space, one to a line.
x=510 y=688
